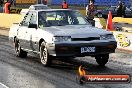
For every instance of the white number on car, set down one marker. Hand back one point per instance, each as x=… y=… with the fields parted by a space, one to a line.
x=87 y=49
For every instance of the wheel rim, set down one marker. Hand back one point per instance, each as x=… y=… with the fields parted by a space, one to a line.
x=44 y=55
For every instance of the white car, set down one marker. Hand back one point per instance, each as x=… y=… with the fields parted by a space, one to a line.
x=60 y=33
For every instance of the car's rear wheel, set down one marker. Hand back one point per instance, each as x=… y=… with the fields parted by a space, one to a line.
x=18 y=50
x=102 y=59
x=44 y=55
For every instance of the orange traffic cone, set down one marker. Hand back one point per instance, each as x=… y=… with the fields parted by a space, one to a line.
x=109 y=25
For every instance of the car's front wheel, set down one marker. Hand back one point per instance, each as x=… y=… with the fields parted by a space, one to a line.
x=102 y=59
x=44 y=55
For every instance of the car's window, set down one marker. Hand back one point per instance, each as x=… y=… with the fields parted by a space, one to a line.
x=79 y=18
x=26 y=19
x=42 y=20
x=33 y=18
x=64 y=17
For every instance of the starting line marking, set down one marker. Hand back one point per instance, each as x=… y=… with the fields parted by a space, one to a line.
x=3 y=85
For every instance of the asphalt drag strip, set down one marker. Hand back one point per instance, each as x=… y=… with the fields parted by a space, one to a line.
x=28 y=72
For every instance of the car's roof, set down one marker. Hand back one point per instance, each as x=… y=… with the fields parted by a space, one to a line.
x=54 y=10
x=39 y=5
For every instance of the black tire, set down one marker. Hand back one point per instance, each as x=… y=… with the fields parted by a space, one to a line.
x=102 y=59
x=44 y=55
x=81 y=80
x=18 y=50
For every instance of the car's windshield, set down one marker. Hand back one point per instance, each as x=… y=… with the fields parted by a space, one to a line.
x=62 y=17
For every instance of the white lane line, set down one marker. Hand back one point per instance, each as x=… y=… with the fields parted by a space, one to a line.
x=3 y=85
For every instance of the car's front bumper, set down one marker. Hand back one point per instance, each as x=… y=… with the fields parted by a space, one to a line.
x=65 y=49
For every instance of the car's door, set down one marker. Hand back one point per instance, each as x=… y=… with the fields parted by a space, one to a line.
x=32 y=33
x=36 y=33
x=21 y=32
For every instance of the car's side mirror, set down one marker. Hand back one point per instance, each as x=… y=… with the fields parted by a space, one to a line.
x=32 y=26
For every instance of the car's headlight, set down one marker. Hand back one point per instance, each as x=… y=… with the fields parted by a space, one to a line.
x=61 y=38
x=106 y=37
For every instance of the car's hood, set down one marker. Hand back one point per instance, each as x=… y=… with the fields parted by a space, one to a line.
x=76 y=31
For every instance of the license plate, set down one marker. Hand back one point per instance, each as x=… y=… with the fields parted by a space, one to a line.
x=87 y=49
